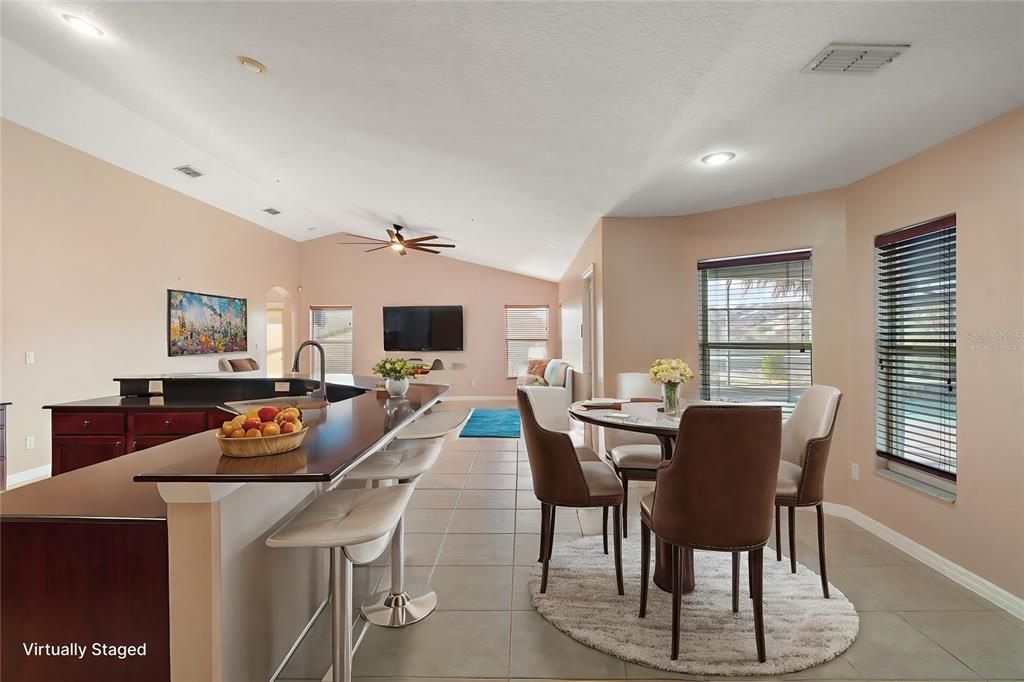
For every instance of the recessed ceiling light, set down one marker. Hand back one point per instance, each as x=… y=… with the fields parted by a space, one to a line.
x=251 y=64
x=82 y=26
x=717 y=159
x=311 y=229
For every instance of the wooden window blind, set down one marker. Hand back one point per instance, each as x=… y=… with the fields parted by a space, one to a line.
x=526 y=336
x=754 y=328
x=915 y=346
x=332 y=327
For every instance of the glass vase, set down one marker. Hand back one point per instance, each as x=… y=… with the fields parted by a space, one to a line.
x=673 y=401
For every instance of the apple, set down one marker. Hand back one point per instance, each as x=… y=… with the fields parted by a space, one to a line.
x=267 y=414
x=271 y=429
x=252 y=433
x=288 y=427
x=238 y=433
x=251 y=423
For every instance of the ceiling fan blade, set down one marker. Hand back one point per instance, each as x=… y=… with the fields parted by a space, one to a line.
x=440 y=246
x=365 y=243
x=392 y=235
x=420 y=239
x=378 y=248
x=360 y=236
x=402 y=251
x=422 y=248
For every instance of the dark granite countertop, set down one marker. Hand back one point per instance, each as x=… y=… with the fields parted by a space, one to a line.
x=125 y=488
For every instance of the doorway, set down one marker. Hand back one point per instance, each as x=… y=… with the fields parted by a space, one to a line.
x=275 y=339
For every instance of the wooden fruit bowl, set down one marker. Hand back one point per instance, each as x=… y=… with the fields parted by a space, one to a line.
x=262 y=446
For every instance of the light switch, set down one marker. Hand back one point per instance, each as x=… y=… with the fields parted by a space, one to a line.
x=30 y=358
x=855 y=471
x=30 y=442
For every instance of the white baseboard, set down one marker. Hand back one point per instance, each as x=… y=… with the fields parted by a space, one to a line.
x=28 y=476
x=975 y=583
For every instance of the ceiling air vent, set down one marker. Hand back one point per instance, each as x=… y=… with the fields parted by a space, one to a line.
x=271 y=211
x=189 y=171
x=850 y=58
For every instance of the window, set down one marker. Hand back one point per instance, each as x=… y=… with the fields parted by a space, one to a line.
x=526 y=336
x=332 y=327
x=915 y=346
x=755 y=328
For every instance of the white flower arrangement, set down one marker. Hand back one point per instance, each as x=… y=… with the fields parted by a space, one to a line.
x=670 y=371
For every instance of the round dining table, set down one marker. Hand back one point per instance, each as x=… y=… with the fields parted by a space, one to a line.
x=645 y=417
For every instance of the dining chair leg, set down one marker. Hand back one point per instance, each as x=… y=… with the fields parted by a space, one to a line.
x=625 y=500
x=543 y=527
x=617 y=516
x=778 y=533
x=821 y=549
x=546 y=540
x=676 y=595
x=755 y=560
x=735 y=582
x=645 y=565
x=792 y=539
x=551 y=531
x=604 y=527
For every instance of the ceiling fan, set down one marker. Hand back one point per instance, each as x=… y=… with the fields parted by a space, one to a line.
x=402 y=245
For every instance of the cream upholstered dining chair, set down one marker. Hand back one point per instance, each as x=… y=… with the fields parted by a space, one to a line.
x=634 y=456
x=806 y=439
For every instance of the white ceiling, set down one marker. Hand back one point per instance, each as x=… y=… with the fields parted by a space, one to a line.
x=507 y=127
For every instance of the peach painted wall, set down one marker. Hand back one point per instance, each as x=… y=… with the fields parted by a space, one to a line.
x=651 y=282
x=570 y=299
x=88 y=252
x=649 y=285
x=333 y=274
x=979 y=175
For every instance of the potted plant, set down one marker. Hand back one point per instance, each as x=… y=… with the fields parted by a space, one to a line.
x=671 y=374
x=396 y=373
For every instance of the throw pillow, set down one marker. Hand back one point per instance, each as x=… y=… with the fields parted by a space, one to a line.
x=242 y=365
x=555 y=373
x=536 y=367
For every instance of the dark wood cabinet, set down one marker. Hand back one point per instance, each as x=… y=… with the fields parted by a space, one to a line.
x=75 y=452
x=82 y=438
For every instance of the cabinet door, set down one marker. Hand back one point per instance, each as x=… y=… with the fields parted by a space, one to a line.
x=74 y=453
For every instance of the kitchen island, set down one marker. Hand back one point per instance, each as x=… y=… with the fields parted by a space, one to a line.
x=165 y=546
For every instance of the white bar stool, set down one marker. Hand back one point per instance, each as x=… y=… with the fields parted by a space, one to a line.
x=411 y=455
x=403 y=462
x=355 y=525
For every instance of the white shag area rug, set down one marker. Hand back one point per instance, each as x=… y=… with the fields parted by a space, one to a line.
x=802 y=628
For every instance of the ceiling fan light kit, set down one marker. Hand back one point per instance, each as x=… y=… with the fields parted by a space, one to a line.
x=396 y=242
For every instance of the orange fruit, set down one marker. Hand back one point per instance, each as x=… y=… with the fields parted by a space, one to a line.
x=238 y=433
x=253 y=433
x=271 y=429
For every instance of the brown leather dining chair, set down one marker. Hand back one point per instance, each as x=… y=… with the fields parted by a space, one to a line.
x=806 y=440
x=716 y=494
x=567 y=476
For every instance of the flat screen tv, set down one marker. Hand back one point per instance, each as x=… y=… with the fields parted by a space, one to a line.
x=423 y=328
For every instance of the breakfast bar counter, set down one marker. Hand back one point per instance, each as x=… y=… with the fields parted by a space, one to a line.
x=165 y=546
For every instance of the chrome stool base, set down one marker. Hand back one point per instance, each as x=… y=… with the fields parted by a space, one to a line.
x=398 y=610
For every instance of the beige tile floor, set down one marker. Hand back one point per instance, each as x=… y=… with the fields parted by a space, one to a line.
x=473 y=536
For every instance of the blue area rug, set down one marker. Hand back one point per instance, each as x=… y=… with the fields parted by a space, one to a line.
x=492 y=423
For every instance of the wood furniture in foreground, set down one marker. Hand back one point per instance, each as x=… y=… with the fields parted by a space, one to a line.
x=716 y=495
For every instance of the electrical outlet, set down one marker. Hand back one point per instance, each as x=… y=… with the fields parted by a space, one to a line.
x=30 y=358
x=30 y=442
x=855 y=471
